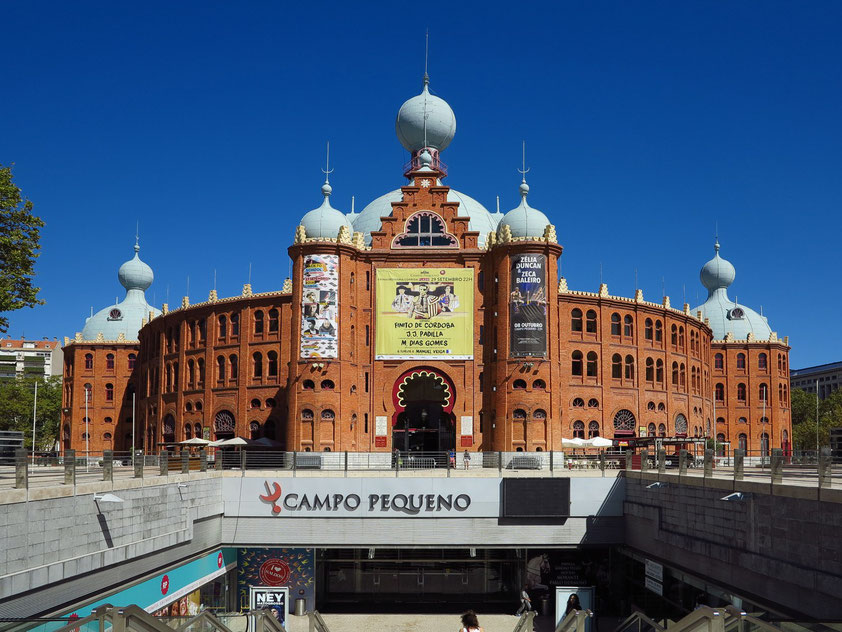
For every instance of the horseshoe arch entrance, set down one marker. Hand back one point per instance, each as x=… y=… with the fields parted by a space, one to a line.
x=423 y=420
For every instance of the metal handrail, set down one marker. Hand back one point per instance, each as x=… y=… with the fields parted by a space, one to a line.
x=316 y=623
x=204 y=615
x=574 y=621
x=739 y=615
x=265 y=621
x=524 y=623
x=639 y=617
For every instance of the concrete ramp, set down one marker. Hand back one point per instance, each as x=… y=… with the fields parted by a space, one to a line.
x=403 y=622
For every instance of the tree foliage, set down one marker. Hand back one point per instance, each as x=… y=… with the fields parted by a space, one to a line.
x=804 y=418
x=19 y=245
x=16 y=402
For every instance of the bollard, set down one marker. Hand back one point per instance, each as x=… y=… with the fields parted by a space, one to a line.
x=825 y=470
x=602 y=462
x=644 y=459
x=243 y=460
x=217 y=460
x=108 y=465
x=138 y=463
x=21 y=469
x=739 y=464
x=629 y=455
x=203 y=460
x=500 y=463
x=708 y=463
x=662 y=461
x=682 y=462
x=776 y=468
x=70 y=467
x=164 y=463
x=185 y=462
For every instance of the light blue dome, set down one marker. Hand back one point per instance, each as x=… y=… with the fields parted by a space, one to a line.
x=125 y=317
x=368 y=219
x=724 y=315
x=523 y=220
x=324 y=222
x=440 y=122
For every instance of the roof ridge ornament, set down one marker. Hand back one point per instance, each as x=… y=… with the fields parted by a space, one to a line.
x=524 y=188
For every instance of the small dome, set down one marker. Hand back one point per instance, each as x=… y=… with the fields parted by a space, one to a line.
x=440 y=127
x=717 y=273
x=324 y=222
x=523 y=220
x=135 y=274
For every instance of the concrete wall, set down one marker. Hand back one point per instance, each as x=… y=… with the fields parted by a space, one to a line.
x=56 y=541
x=782 y=548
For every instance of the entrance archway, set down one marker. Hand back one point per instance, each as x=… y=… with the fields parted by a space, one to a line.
x=423 y=419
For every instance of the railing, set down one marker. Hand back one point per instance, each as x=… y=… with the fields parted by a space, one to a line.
x=524 y=623
x=639 y=622
x=703 y=619
x=574 y=621
x=317 y=624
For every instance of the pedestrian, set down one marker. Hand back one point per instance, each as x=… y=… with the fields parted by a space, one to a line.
x=467 y=459
x=470 y=622
x=451 y=458
x=572 y=604
x=525 y=602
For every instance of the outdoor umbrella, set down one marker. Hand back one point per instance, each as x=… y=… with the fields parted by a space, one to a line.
x=194 y=441
x=573 y=443
x=601 y=442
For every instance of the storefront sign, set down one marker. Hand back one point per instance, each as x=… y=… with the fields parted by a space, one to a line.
x=655 y=587
x=654 y=570
x=425 y=314
x=271 y=598
x=319 y=314
x=269 y=569
x=528 y=306
x=274 y=572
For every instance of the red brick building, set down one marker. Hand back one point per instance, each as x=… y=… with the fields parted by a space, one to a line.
x=427 y=323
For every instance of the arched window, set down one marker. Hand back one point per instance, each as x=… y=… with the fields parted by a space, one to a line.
x=741 y=361
x=270 y=403
x=680 y=424
x=662 y=430
x=539 y=415
x=682 y=375
x=578 y=429
x=327 y=385
x=202 y=330
x=308 y=385
x=764 y=444
x=784 y=440
x=674 y=335
x=659 y=371
x=650 y=370
x=273 y=321
x=780 y=362
x=742 y=420
x=629 y=366
x=592 y=364
x=191 y=372
x=109 y=362
x=272 y=364
x=650 y=406
x=257 y=364
x=258 y=322
x=188 y=431
x=647 y=329
x=675 y=374
x=661 y=407
x=578 y=402
x=109 y=392
x=616 y=366
x=519 y=414
x=681 y=337
x=590 y=321
x=201 y=364
x=197 y=429
x=650 y=430
x=306 y=415
x=742 y=442
x=425 y=229
x=519 y=384
x=720 y=448
x=232 y=362
x=659 y=331
x=89 y=361
x=222 y=326
x=593 y=402
x=132 y=360
x=188 y=407
x=223 y=423
x=624 y=422
x=628 y=326
x=254 y=429
x=763 y=392
x=576 y=364
x=615 y=324
x=255 y=403
x=576 y=320
x=235 y=324
x=539 y=384
x=719 y=391
x=741 y=392
x=328 y=415
x=593 y=429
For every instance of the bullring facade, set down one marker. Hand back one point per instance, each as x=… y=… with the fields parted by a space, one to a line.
x=425 y=323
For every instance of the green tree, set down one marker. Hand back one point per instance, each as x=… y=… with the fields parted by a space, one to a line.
x=16 y=403
x=19 y=245
x=804 y=418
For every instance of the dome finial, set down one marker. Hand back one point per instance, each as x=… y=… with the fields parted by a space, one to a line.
x=137 y=237
x=426 y=57
x=326 y=188
x=524 y=188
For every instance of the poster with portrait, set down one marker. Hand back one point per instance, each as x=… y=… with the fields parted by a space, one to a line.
x=528 y=306
x=319 y=312
x=425 y=314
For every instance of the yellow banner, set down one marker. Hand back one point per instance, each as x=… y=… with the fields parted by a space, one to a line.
x=425 y=313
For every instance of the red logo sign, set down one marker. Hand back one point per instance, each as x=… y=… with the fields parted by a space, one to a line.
x=165 y=584
x=219 y=560
x=274 y=572
x=272 y=496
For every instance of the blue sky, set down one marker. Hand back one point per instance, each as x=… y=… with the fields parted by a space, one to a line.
x=646 y=124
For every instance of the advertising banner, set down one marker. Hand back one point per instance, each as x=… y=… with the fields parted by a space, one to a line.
x=528 y=306
x=425 y=314
x=319 y=317
x=275 y=577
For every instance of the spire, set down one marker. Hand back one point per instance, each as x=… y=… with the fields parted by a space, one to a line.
x=524 y=188
x=426 y=57
x=137 y=237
